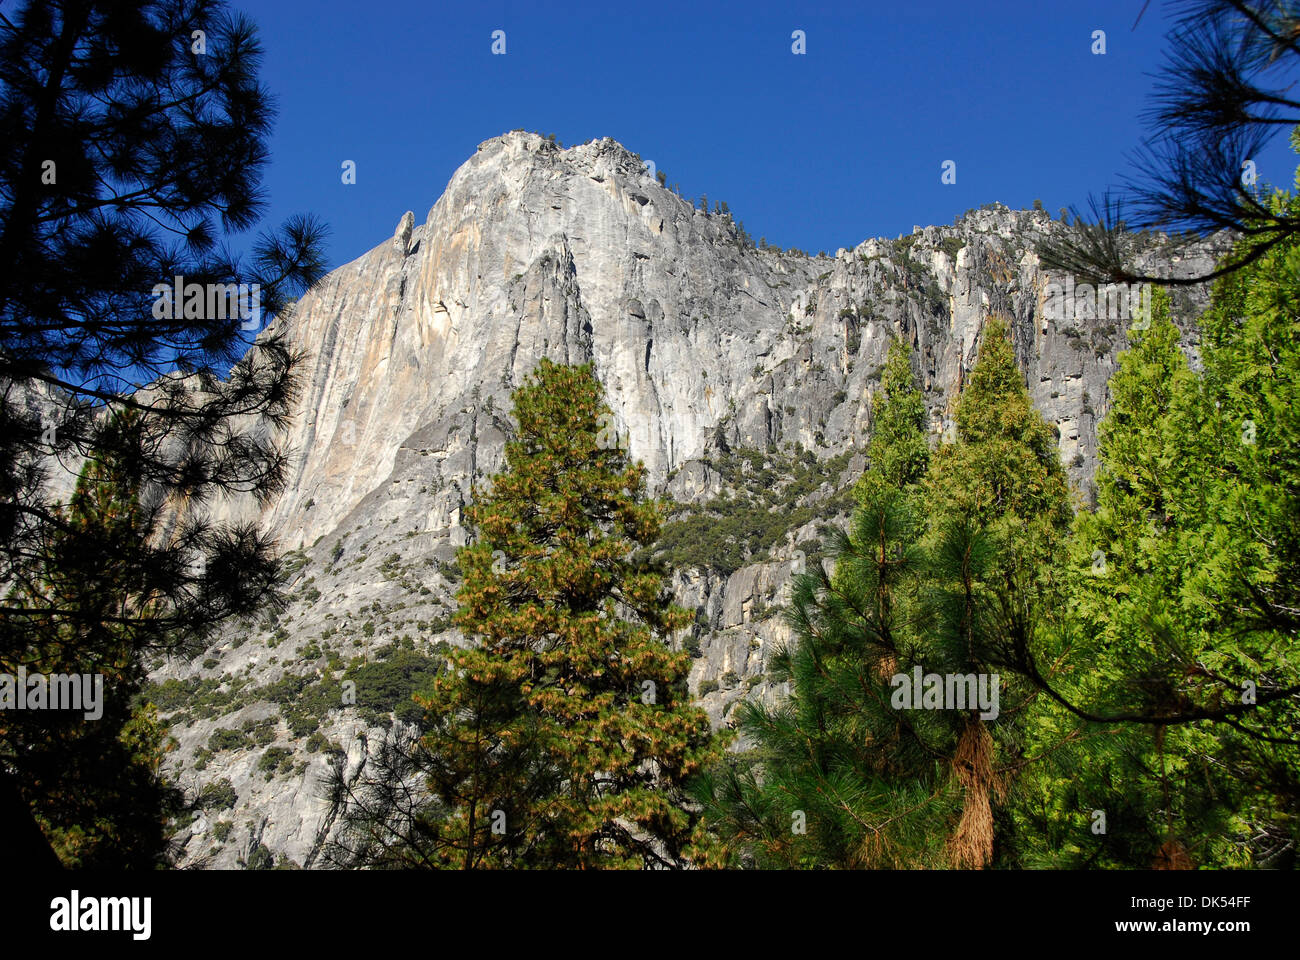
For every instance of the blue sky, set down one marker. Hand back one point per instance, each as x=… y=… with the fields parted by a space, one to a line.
x=815 y=151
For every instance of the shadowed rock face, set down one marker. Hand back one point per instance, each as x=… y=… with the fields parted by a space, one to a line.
x=702 y=343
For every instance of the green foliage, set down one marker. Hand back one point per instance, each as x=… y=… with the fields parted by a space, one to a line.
x=304 y=702
x=1005 y=472
x=1183 y=599
x=764 y=503
x=97 y=585
x=835 y=778
x=899 y=453
x=293 y=562
x=841 y=777
x=260 y=858
x=263 y=731
x=391 y=682
x=275 y=760
x=224 y=738
x=218 y=795
x=568 y=726
x=93 y=786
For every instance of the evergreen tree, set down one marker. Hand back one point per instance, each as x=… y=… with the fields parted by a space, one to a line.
x=565 y=736
x=132 y=141
x=1004 y=471
x=945 y=570
x=898 y=453
x=838 y=777
x=998 y=511
x=1106 y=769
x=93 y=783
x=1183 y=597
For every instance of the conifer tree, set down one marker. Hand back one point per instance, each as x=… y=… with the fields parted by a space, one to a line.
x=93 y=783
x=998 y=511
x=564 y=735
x=133 y=140
x=1183 y=598
x=838 y=777
x=1223 y=92
x=944 y=571
x=899 y=453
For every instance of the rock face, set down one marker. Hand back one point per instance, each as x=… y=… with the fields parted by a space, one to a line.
x=703 y=343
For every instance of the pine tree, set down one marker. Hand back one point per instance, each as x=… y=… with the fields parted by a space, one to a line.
x=998 y=509
x=1221 y=98
x=564 y=736
x=946 y=570
x=838 y=777
x=1183 y=597
x=93 y=784
x=109 y=190
x=899 y=453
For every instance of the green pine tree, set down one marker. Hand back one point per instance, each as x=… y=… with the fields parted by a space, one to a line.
x=837 y=776
x=94 y=784
x=1177 y=690
x=565 y=735
x=899 y=453
x=998 y=512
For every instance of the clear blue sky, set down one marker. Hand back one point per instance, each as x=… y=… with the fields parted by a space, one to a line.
x=815 y=151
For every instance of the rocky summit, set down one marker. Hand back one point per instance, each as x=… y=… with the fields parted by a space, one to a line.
x=732 y=371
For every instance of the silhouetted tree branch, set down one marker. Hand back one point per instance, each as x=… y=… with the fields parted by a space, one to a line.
x=1222 y=93
x=129 y=151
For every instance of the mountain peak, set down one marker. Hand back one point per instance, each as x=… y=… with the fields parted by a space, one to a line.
x=714 y=355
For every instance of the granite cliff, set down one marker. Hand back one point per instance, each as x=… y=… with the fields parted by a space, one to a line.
x=728 y=368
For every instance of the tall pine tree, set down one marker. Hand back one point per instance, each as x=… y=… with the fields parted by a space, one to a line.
x=998 y=512
x=1183 y=599
x=564 y=735
x=838 y=777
